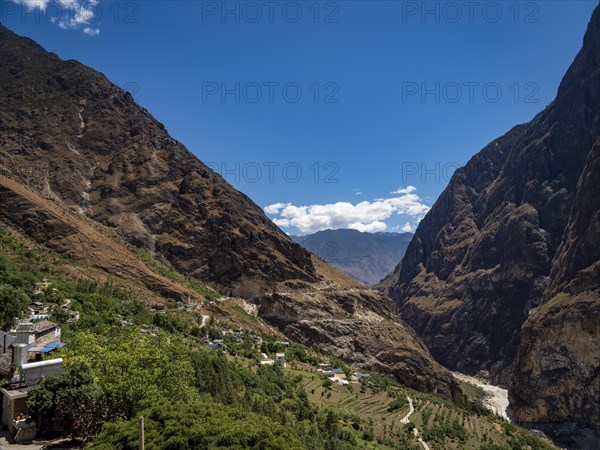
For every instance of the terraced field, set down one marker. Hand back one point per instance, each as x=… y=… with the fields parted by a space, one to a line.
x=362 y=407
x=377 y=407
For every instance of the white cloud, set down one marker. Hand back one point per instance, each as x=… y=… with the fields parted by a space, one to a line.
x=408 y=227
x=406 y=190
x=363 y=216
x=31 y=4
x=284 y=223
x=275 y=208
x=91 y=31
x=373 y=227
x=68 y=14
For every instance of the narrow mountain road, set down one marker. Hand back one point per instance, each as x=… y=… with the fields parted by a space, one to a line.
x=406 y=419
x=318 y=290
x=423 y=443
x=411 y=410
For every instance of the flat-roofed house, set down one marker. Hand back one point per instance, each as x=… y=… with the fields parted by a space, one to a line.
x=280 y=359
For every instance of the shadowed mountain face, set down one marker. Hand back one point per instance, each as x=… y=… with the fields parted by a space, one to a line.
x=80 y=161
x=366 y=257
x=502 y=275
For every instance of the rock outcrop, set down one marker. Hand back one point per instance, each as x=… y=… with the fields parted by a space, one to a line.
x=556 y=377
x=557 y=369
x=358 y=325
x=506 y=263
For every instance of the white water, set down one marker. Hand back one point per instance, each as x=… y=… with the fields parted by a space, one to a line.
x=496 y=399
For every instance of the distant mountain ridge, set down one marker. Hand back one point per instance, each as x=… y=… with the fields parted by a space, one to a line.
x=366 y=257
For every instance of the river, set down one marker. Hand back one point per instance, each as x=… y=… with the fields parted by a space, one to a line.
x=496 y=399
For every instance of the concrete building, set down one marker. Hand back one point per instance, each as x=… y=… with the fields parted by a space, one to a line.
x=6 y=353
x=45 y=332
x=14 y=398
x=74 y=316
x=37 y=334
x=280 y=359
x=265 y=360
x=13 y=406
x=40 y=337
x=37 y=308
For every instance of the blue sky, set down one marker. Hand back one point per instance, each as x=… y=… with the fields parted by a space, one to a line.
x=327 y=114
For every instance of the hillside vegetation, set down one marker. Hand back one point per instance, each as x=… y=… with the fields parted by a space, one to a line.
x=123 y=361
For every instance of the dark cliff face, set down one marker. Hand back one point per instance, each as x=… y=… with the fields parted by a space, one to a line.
x=76 y=150
x=515 y=227
x=557 y=368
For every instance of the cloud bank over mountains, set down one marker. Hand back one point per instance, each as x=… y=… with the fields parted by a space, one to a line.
x=366 y=216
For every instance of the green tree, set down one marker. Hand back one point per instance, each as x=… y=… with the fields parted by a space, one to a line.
x=59 y=314
x=133 y=369
x=12 y=304
x=71 y=401
x=195 y=425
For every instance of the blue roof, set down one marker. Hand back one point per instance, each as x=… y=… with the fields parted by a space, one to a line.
x=47 y=348
x=54 y=345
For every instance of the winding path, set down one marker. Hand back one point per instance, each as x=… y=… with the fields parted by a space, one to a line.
x=406 y=419
x=411 y=410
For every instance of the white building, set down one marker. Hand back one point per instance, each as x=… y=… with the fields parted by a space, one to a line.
x=280 y=359
x=265 y=360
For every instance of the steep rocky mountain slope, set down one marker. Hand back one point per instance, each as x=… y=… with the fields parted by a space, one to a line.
x=69 y=133
x=503 y=274
x=366 y=257
x=84 y=167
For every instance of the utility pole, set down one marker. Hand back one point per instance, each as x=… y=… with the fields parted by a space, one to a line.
x=141 y=433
